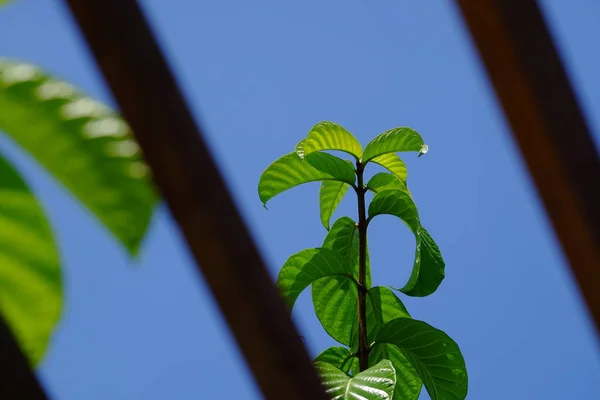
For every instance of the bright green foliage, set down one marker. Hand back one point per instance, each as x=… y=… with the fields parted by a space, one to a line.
x=433 y=354
x=291 y=170
x=83 y=143
x=376 y=383
x=429 y=267
x=389 y=355
x=30 y=277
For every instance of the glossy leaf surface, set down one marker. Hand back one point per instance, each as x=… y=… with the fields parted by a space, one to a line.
x=393 y=141
x=382 y=181
x=330 y=196
x=307 y=266
x=434 y=355
x=429 y=267
x=375 y=383
x=331 y=136
x=291 y=170
x=81 y=142
x=408 y=381
x=383 y=306
x=30 y=276
x=341 y=358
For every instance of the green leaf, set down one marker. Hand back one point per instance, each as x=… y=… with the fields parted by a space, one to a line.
x=330 y=196
x=331 y=136
x=341 y=358
x=335 y=298
x=307 y=266
x=383 y=306
x=81 y=142
x=392 y=163
x=435 y=356
x=393 y=141
x=30 y=276
x=408 y=381
x=429 y=267
x=3 y=2
x=291 y=170
x=382 y=181
x=375 y=383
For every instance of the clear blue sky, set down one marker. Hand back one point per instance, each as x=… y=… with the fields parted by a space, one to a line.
x=259 y=75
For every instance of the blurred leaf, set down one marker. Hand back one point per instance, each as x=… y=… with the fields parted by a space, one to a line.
x=340 y=357
x=83 y=144
x=30 y=276
x=434 y=355
x=429 y=267
x=291 y=170
x=393 y=141
x=331 y=136
x=330 y=196
x=375 y=383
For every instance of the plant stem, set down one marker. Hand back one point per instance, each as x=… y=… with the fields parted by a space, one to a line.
x=363 y=345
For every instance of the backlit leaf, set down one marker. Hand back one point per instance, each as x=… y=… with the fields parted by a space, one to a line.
x=408 y=381
x=375 y=383
x=393 y=141
x=331 y=136
x=340 y=357
x=81 y=142
x=429 y=267
x=393 y=163
x=30 y=276
x=330 y=196
x=434 y=355
x=382 y=181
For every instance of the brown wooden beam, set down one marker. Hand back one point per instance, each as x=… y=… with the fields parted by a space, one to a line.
x=187 y=176
x=548 y=126
x=17 y=381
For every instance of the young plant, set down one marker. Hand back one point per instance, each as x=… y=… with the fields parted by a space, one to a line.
x=388 y=355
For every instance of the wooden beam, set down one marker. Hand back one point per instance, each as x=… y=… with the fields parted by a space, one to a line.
x=186 y=174
x=17 y=381
x=548 y=126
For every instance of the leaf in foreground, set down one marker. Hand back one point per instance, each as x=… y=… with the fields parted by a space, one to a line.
x=30 y=276
x=81 y=142
x=435 y=356
x=408 y=381
x=375 y=383
x=393 y=141
x=340 y=357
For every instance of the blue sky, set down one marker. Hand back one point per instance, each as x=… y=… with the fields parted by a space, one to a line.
x=259 y=75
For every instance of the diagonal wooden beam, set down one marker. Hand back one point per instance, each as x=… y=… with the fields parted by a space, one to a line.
x=186 y=174
x=17 y=381
x=548 y=126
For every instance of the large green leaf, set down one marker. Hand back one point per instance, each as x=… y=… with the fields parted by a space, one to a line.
x=291 y=170
x=83 y=144
x=307 y=266
x=408 y=381
x=429 y=267
x=382 y=181
x=375 y=383
x=383 y=306
x=341 y=358
x=435 y=356
x=30 y=276
x=331 y=136
x=392 y=163
x=393 y=141
x=335 y=299
x=330 y=196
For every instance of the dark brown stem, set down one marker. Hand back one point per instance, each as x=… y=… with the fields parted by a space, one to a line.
x=363 y=345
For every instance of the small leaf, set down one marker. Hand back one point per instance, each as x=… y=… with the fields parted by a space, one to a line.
x=30 y=276
x=435 y=356
x=84 y=144
x=307 y=266
x=331 y=136
x=429 y=267
x=375 y=383
x=382 y=181
x=335 y=299
x=408 y=381
x=393 y=141
x=330 y=196
x=291 y=170
x=383 y=306
x=340 y=357
x=392 y=163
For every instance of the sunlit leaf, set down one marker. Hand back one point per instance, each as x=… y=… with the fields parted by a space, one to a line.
x=291 y=170
x=340 y=357
x=383 y=306
x=331 y=136
x=408 y=381
x=382 y=181
x=393 y=163
x=429 y=267
x=434 y=355
x=330 y=196
x=375 y=383
x=83 y=143
x=393 y=141
x=307 y=266
x=30 y=276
